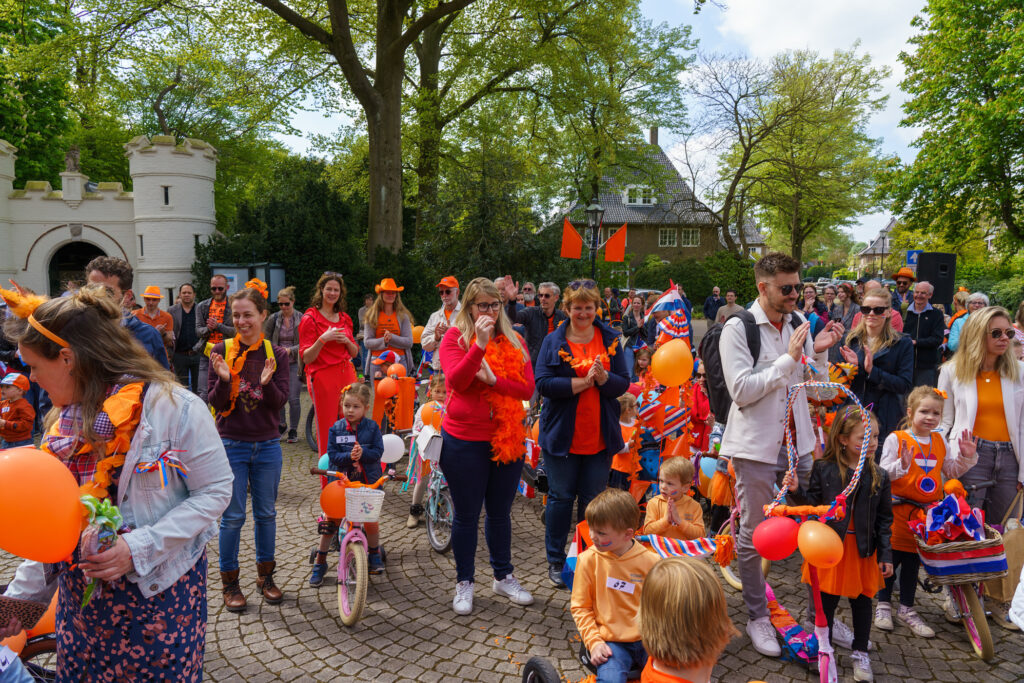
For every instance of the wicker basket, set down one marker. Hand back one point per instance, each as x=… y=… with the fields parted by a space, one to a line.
x=964 y=561
x=363 y=504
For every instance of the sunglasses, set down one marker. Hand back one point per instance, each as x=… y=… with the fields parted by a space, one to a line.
x=903 y=282
x=494 y=306
x=284 y=303
x=585 y=284
x=330 y=273
x=445 y=292
x=786 y=289
x=527 y=289
x=545 y=295
x=877 y=310
x=702 y=375
x=217 y=289
x=996 y=334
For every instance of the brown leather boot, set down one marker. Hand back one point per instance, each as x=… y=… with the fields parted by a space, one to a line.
x=233 y=598
x=265 y=582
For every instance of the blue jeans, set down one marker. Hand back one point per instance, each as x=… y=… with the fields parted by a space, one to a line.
x=15 y=444
x=996 y=462
x=474 y=480
x=257 y=468
x=630 y=356
x=625 y=657
x=571 y=477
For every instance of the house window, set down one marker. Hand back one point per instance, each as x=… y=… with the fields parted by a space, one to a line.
x=142 y=250
x=167 y=195
x=667 y=237
x=612 y=231
x=753 y=251
x=642 y=196
x=689 y=237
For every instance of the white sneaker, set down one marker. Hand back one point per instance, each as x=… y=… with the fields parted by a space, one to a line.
x=510 y=588
x=463 y=602
x=763 y=638
x=842 y=635
x=910 y=618
x=861 y=666
x=883 y=616
x=949 y=608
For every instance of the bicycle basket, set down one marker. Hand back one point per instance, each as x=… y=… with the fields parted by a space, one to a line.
x=363 y=504
x=964 y=561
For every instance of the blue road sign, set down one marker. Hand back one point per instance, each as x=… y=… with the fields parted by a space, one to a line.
x=912 y=255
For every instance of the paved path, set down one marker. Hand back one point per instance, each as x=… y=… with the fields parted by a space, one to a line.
x=409 y=633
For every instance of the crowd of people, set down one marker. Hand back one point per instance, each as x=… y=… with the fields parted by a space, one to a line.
x=202 y=395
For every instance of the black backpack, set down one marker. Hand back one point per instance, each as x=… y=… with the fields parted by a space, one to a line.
x=711 y=358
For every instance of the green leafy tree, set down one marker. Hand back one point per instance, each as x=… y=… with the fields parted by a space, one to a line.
x=965 y=78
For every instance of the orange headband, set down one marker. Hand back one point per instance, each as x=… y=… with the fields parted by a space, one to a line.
x=45 y=332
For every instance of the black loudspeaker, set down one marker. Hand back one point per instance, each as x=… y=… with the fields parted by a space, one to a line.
x=940 y=270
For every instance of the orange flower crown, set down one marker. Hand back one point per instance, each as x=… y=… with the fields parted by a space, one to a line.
x=259 y=285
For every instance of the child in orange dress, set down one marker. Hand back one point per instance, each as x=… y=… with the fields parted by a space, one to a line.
x=684 y=621
x=622 y=462
x=916 y=460
x=865 y=529
x=673 y=513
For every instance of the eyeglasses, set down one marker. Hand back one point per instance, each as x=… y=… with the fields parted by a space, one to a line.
x=996 y=334
x=545 y=295
x=217 y=289
x=445 y=292
x=585 y=284
x=785 y=289
x=877 y=310
x=494 y=306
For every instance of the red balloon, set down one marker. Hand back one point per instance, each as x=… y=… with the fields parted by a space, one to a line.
x=332 y=500
x=396 y=370
x=39 y=506
x=776 y=538
x=819 y=544
x=387 y=387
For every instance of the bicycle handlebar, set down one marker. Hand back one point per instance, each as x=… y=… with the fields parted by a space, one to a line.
x=803 y=511
x=390 y=476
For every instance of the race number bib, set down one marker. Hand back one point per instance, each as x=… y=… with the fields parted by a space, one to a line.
x=346 y=438
x=621 y=585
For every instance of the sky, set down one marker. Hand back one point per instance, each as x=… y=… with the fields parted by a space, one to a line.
x=760 y=29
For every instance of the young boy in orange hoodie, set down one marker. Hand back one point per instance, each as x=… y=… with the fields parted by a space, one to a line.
x=608 y=584
x=16 y=414
x=673 y=513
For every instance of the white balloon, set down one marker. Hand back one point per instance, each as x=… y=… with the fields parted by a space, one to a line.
x=394 y=449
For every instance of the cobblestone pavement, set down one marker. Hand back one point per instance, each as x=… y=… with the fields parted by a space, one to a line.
x=409 y=633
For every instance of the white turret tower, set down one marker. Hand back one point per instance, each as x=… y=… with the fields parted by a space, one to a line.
x=172 y=185
x=7 y=256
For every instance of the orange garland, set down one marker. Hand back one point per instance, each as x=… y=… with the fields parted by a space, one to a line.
x=577 y=363
x=507 y=362
x=235 y=363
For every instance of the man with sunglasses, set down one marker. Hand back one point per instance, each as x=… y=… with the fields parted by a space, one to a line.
x=754 y=432
x=536 y=322
x=441 y=319
x=902 y=297
x=212 y=325
x=926 y=327
x=529 y=294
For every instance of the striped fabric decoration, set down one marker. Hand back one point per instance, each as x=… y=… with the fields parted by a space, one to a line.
x=980 y=561
x=670 y=547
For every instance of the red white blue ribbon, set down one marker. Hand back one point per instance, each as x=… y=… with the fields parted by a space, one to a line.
x=163 y=464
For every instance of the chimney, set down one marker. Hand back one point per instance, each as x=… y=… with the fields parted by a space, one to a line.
x=654 y=135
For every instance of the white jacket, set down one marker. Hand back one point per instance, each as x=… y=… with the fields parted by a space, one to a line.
x=961 y=408
x=427 y=340
x=755 y=429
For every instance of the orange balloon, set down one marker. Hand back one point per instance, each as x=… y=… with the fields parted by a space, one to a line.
x=417 y=334
x=47 y=623
x=819 y=544
x=427 y=413
x=332 y=500
x=703 y=484
x=15 y=642
x=39 y=506
x=535 y=433
x=396 y=370
x=672 y=363
x=387 y=387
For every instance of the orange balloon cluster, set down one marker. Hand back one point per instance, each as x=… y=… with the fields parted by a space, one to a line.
x=47 y=623
x=387 y=387
x=430 y=414
x=332 y=500
x=39 y=506
x=672 y=363
x=396 y=370
x=819 y=544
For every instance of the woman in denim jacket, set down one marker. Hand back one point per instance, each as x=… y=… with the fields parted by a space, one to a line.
x=169 y=477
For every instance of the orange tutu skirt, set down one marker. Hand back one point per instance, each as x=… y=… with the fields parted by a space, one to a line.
x=852 y=577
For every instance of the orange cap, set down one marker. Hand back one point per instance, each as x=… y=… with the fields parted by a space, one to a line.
x=449 y=281
x=152 y=292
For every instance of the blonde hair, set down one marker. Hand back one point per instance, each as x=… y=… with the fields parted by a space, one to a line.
x=679 y=467
x=436 y=381
x=684 y=619
x=970 y=355
x=377 y=307
x=360 y=391
x=287 y=292
x=626 y=402
x=887 y=337
x=464 y=318
x=613 y=508
x=105 y=352
x=960 y=301
x=914 y=400
x=846 y=420
x=581 y=294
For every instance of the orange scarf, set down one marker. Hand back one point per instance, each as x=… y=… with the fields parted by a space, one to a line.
x=507 y=362
x=236 y=361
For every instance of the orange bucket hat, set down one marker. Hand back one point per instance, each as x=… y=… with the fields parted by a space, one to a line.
x=152 y=292
x=905 y=272
x=388 y=285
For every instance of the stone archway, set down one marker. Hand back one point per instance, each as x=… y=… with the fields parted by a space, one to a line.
x=68 y=263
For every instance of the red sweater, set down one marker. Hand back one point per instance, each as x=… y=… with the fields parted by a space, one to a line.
x=468 y=415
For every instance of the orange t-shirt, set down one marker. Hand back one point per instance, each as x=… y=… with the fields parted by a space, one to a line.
x=623 y=462
x=918 y=484
x=217 y=309
x=587 y=438
x=551 y=324
x=990 y=422
x=652 y=675
x=388 y=322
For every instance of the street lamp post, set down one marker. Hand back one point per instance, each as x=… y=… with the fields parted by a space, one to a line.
x=595 y=218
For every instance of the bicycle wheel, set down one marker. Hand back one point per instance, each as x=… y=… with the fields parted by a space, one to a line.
x=311 y=430
x=823 y=662
x=730 y=572
x=353 y=575
x=40 y=657
x=440 y=513
x=974 y=621
x=540 y=670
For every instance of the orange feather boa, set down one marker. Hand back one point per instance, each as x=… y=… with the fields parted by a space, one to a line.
x=507 y=362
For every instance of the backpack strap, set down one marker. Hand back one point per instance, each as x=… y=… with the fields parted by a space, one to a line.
x=750 y=330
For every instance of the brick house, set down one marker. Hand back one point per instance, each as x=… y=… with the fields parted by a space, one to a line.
x=664 y=217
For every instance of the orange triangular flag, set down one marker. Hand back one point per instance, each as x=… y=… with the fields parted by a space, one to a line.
x=638 y=488
x=669 y=397
x=615 y=247
x=572 y=243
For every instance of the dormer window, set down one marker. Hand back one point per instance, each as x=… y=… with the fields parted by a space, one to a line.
x=640 y=196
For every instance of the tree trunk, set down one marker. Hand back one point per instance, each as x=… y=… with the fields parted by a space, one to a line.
x=430 y=129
